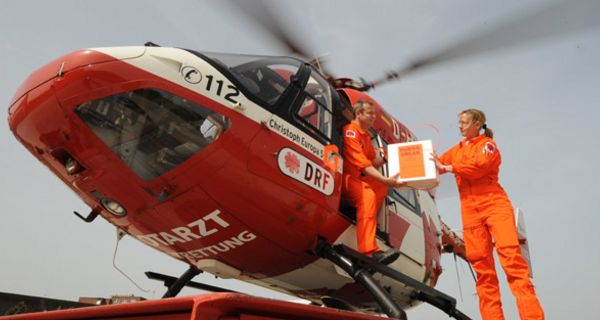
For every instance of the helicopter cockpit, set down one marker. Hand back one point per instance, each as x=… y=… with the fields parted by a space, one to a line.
x=265 y=78
x=154 y=131
x=288 y=87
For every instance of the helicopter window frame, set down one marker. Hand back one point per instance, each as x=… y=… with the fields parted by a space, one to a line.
x=288 y=101
x=250 y=86
x=267 y=78
x=316 y=93
x=407 y=197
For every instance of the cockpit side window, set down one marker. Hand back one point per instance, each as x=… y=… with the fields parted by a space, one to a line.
x=152 y=130
x=315 y=110
x=268 y=82
x=286 y=86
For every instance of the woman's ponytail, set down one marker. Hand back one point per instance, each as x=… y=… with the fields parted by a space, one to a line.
x=487 y=131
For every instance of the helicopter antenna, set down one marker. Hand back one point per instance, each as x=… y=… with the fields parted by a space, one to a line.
x=557 y=19
x=458 y=277
x=120 y=235
x=317 y=63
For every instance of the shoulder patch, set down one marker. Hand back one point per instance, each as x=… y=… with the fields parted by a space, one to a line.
x=350 y=134
x=489 y=148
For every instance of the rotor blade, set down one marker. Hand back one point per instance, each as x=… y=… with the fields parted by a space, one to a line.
x=553 y=20
x=263 y=13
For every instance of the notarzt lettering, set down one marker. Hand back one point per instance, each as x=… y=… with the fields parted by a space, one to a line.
x=202 y=227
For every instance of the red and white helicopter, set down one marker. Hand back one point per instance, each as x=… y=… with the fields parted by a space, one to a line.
x=226 y=162
x=230 y=163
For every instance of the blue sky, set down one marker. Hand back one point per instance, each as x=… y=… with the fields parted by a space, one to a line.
x=541 y=98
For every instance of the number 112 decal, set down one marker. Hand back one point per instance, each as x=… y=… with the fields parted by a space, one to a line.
x=231 y=91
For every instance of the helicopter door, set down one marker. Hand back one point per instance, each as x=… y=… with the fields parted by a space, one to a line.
x=405 y=224
x=401 y=219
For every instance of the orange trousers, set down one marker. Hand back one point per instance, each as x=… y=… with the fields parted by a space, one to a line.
x=486 y=217
x=367 y=196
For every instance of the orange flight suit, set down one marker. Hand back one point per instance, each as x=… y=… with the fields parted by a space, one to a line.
x=488 y=214
x=364 y=193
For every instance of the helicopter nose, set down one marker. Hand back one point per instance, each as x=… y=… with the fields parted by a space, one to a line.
x=34 y=86
x=81 y=58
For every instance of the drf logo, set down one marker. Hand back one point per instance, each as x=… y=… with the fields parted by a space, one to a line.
x=298 y=167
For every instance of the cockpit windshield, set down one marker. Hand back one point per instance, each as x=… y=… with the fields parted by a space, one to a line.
x=264 y=77
x=151 y=130
x=268 y=78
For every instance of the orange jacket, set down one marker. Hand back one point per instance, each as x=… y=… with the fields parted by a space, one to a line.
x=358 y=150
x=475 y=164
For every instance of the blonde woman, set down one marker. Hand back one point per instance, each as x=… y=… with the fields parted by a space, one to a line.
x=487 y=217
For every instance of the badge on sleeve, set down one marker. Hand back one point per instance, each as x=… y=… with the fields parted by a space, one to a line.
x=350 y=134
x=489 y=148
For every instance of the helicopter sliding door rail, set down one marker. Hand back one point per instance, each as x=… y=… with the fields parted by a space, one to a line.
x=356 y=264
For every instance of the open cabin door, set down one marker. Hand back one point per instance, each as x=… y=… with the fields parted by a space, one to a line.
x=400 y=218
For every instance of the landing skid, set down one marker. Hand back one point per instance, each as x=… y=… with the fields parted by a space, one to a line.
x=359 y=267
x=175 y=285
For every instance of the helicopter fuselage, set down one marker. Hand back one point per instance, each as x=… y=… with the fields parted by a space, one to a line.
x=225 y=162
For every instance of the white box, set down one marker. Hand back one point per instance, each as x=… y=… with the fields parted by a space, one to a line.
x=413 y=161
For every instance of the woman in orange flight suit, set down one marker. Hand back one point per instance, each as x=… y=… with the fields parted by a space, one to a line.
x=487 y=216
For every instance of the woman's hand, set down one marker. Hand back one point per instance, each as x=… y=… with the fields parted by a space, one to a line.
x=442 y=168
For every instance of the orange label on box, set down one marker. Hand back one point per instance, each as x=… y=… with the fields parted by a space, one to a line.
x=411 y=161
